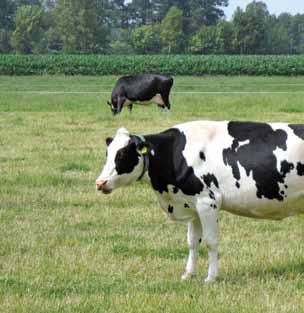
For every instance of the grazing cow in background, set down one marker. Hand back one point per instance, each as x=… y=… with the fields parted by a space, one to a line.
x=197 y=168
x=141 y=89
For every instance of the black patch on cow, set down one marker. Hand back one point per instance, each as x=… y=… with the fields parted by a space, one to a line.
x=237 y=184
x=175 y=190
x=286 y=186
x=298 y=130
x=210 y=178
x=286 y=167
x=170 y=209
x=257 y=156
x=202 y=155
x=211 y=195
x=126 y=159
x=168 y=165
x=186 y=205
x=300 y=169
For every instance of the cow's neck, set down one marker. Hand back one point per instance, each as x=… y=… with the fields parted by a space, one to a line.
x=168 y=166
x=161 y=166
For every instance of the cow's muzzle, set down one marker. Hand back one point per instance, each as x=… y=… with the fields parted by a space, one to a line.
x=115 y=111
x=101 y=185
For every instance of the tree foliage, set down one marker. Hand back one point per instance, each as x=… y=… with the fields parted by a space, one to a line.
x=146 y=27
x=171 y=31
x=82 y=25
x=145 y=39
x=28 y=34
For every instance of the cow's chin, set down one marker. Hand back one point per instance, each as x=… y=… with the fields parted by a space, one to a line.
x=106 y=191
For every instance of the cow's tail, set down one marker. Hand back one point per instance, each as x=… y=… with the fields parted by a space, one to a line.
x=171 y=81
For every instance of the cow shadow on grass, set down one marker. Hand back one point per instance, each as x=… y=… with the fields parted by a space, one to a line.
x=172 y=253
x=280 y=271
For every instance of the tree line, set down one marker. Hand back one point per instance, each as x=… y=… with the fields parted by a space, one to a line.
x=146 y=27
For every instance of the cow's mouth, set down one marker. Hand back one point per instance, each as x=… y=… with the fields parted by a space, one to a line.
x=102 y=186
x=106 y=191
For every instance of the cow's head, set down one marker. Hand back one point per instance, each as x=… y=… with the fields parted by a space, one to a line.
x=113 y=107
x=116 y=104
x=127 y=158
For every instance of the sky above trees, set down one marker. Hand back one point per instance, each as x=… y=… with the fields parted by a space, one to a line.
x=274 y=6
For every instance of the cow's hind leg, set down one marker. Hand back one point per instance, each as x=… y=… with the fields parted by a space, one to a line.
x=193 y=239
x=130 y=107
x=165 y=97
x=208 y=213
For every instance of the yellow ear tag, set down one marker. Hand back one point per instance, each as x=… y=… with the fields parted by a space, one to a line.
x=144 y=150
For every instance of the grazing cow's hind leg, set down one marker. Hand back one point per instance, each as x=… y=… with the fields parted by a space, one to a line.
x=209 y=219
x=165 y=97
x=193 y=239
x=130 y=107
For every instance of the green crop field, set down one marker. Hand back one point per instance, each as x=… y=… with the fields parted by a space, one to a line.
x=287 y=65
x=66 y=248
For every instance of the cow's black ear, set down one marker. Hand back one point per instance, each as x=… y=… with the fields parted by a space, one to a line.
x=109 y=140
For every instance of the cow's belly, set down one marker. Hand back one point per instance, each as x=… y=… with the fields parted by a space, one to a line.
x=177 y=206
x=265 y=208
x=156 y=99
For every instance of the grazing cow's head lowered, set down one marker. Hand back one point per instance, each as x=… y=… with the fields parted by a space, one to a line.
x=127 y=161
x=114 y=108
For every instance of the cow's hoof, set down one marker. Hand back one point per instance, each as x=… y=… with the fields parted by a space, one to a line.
x=210 y=279
x=187 y=276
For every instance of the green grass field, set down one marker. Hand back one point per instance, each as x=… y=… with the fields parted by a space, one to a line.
x=66 y=248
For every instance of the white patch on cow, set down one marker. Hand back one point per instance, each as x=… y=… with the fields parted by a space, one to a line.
x=243 y=143
x=177 y=201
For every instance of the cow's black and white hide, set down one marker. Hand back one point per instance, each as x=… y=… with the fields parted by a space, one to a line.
x=197 y=168
x=141 y=89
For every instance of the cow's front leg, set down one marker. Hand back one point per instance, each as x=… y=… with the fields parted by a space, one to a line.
x=120 y=103
x=208 y=213
x=193 y=239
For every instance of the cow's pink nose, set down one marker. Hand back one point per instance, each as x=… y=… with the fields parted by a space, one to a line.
x=100 y=184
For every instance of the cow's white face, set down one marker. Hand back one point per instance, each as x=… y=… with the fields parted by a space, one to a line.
x=124 y=163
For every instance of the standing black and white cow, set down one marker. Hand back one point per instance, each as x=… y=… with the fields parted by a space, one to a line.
x=141 y=89
x=197 y=168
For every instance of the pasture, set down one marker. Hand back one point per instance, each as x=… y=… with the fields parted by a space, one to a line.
x=66 y=248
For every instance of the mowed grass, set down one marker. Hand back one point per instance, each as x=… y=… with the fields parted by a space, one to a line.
x=66 y=248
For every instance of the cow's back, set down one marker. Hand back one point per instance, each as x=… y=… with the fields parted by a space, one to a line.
x=259 y=166
x=141 y=87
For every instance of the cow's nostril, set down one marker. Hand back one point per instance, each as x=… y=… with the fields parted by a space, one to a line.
x=100 y=184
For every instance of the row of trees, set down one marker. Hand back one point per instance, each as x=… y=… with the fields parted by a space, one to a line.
x=146 y=27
